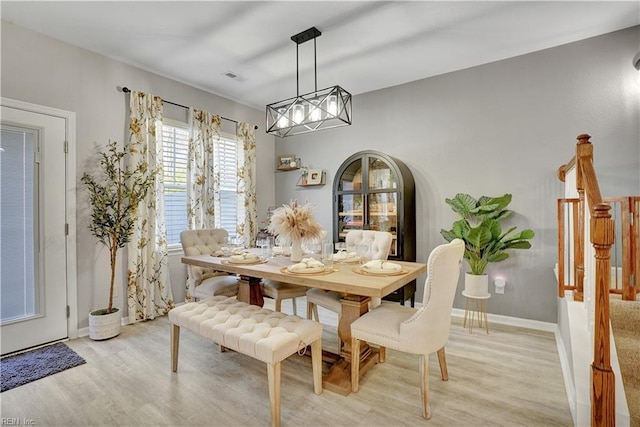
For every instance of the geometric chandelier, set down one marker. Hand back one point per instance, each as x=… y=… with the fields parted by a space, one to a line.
x=317 y=110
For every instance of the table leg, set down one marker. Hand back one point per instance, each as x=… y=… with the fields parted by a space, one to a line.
x=338 y=378
x=353 y=306
x=249 y=290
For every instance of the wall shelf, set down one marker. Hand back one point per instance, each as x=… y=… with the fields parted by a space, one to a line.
x=310 y=183
x=287 y=162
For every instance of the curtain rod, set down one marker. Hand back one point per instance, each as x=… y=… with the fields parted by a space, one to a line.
x=127 y=90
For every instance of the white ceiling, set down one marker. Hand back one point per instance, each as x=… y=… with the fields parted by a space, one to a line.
x=365 y=45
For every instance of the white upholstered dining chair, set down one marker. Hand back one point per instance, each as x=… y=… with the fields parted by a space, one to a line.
x=203 y=282
x=418 y=331
x=380 y=244
x=280 y=290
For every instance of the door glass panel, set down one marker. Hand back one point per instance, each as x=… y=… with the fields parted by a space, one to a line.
x=18 y=206
x=350 y=214
x=383 y=214
x=380 y=175
x=351 y=179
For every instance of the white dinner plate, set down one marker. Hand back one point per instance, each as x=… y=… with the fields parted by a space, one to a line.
x=311 y=270
x=245 y=261
x=378 y=270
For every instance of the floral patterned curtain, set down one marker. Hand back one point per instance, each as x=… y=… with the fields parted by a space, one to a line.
x=203 y=180
x=247 y=226
x=148 y=285
x=204 y=176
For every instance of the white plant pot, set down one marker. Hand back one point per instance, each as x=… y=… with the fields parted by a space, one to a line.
x=104 y=326
x=476 y=285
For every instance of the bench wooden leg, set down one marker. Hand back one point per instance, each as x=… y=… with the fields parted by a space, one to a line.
x=442 y=359
x=316 y=362
x=175 y=343
x=273 y=374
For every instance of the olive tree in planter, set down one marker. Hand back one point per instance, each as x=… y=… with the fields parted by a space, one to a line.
x=114 y=195
x=481 y=229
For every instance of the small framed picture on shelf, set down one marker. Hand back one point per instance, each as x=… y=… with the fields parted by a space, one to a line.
x=314 y=177
x=287 y=161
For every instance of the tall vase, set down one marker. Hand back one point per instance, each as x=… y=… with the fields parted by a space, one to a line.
x=296 y=250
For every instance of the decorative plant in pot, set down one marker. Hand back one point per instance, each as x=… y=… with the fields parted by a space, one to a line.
x=481 y=229
x=115 y=192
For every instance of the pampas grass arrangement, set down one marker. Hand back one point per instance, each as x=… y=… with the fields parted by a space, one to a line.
x=294 y=222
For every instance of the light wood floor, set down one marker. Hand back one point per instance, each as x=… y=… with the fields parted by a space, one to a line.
x=511 y=377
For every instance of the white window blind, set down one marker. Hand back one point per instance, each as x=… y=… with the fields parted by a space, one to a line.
x=175 y=148
x=227 y=203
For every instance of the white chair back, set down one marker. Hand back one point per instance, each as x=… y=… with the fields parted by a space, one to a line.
x=379 y=241
x=428 y=329
x=200 y=242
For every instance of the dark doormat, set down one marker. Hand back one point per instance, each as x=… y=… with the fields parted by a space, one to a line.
x=35 y=364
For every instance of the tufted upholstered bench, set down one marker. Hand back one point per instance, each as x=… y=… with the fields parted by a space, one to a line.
x=263 y=334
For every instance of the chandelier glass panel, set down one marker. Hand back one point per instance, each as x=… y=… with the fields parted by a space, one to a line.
x=321 y=109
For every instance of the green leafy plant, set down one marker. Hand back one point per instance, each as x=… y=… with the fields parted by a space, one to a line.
x=114 y=195
x=481 y=229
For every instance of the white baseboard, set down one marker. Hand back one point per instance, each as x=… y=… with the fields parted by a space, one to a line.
x=512 y=321
x=456 y=312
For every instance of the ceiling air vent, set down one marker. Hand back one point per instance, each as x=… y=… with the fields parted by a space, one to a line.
x=233 y=76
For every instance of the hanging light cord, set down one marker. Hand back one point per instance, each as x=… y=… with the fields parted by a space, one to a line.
x=315 y=63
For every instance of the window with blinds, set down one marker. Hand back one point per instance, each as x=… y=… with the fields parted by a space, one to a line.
x=227 y=203
x=175 y=148
x=175 y=140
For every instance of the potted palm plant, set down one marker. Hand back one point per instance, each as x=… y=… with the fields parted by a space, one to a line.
x=481 y=229
x=114 y=194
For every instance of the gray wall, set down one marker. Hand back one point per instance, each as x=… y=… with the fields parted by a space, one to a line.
x=43 y=71
x=503 y=127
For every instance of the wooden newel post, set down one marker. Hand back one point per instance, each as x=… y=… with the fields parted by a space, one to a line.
x=603 y=411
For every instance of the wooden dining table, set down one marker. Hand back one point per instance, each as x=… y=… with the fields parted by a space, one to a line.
x=356 y=287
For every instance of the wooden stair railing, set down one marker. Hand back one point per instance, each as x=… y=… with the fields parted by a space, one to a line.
x=625 y=252
x=625 y=270
x=602 y=236
x=566 y=279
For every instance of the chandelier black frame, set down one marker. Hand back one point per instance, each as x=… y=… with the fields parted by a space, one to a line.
x=321 y=109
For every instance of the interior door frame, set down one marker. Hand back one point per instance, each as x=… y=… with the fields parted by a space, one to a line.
x=70 y=201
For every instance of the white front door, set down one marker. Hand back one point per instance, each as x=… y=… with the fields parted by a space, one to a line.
x=33 y=265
